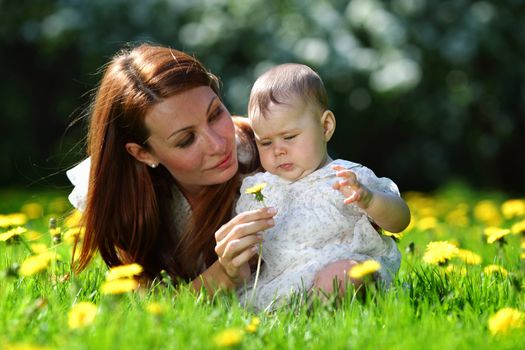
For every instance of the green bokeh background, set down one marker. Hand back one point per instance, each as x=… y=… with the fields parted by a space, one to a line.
x=425 y=92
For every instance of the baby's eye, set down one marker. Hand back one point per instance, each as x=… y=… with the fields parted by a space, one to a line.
x=289 y=137
x=265 y=143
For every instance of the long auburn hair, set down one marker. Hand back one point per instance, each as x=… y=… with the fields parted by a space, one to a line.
x=127 y=216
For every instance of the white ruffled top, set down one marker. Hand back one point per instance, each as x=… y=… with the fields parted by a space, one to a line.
x=313 y=227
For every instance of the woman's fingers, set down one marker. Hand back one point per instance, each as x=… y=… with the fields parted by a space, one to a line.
x=231 y=248
x=242 y=235
x=235 y=253
x=245 y=256
x=237 y=241
x=259 y=215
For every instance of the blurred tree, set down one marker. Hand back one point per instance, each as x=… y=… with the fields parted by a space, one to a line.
x=424 y=91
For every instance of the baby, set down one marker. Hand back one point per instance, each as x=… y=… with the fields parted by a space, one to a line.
x=328 y=210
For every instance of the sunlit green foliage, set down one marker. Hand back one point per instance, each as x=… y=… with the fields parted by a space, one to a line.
x=423 y=90
x=473 y=300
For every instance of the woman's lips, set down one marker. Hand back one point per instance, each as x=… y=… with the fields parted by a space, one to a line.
x=225 y=162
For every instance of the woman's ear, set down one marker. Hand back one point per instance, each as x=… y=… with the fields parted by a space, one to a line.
x=141 y=154
x=328 y=123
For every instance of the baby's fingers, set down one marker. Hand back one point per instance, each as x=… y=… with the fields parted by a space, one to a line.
x=354 y=197
x=345 y=173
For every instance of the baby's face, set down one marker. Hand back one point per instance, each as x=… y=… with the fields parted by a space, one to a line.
x=290 y=139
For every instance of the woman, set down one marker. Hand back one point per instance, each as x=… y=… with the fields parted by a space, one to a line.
x=165 y=172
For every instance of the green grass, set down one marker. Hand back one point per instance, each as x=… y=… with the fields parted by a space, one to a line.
x=426 y=307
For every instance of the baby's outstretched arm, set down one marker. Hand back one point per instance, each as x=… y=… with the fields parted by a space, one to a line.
x=388 y=211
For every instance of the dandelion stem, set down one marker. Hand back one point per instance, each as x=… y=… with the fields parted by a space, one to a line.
x=258 y=266
x=257 y=273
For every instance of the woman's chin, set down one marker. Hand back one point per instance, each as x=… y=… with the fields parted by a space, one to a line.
x=226 y=174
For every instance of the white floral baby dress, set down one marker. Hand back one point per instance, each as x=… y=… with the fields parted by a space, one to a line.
x=313 y=228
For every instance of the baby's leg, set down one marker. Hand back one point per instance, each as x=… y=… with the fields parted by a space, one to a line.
x=335 y=275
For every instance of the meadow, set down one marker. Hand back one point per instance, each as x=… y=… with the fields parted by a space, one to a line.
x=461 y=285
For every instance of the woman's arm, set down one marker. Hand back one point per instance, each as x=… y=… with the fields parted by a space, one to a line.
x=237 y=242
x=213 y=278
x=388 y=211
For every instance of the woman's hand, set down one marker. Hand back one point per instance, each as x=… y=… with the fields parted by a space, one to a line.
x=238 y=241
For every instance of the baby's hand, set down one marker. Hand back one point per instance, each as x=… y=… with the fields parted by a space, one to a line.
x=351 y=188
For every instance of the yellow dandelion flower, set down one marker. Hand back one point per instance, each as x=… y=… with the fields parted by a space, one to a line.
x=32 y=235
x=394 y=235
x=81 y=315
x=35 y=264
x=427 y=223
x=24 y=346
x=492 y=269
x=4 y=221
x=454 y=269
x=505 y=320
x=253 y=325
x=454 y=242
x=228 y=337
x=33 y=210
x=458 y=216
x=518 y=227
x=38 y=248
x=71 y=235
x=411 y=225
x=124 y=271
x=439 y=252
x=55 y=232
x=257 y=191
x=74 y=219
x=495 y=233
x=76 y=253
x=256 y=188
x=513 y=208
x=487 y=212
x=364 y=269
x=522 y=256
x=469 y=257
x=17 y=219
x=59 y=205
x=428 y=210
x=155 y=308
x=119 y=286
x=13 y=233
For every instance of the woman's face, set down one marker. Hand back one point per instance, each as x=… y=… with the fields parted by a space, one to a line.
x=193 y=136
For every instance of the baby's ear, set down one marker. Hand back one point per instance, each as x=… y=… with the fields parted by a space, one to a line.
x=328 y=123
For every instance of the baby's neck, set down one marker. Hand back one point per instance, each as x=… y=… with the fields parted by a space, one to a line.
x=327 y=160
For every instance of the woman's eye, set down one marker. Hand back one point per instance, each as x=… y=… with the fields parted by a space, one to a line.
x=216 y=114
x=186 y=141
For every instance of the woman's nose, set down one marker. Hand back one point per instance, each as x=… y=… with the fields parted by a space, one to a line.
x=216 y=143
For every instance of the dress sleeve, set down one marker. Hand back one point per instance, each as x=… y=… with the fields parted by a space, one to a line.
x=79 y=177
x=370 y=180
